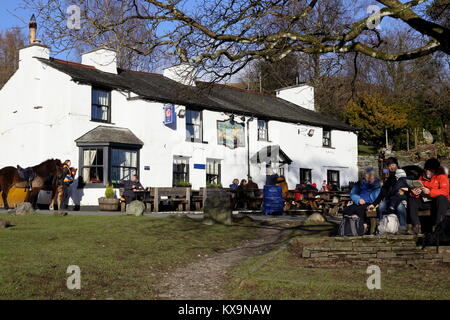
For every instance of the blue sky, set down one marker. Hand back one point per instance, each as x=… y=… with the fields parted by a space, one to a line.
x=11 y=16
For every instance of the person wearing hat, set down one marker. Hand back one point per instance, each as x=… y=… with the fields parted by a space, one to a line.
x=363 y=194
x=433 y=195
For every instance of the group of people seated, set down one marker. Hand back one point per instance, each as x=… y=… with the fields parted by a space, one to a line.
x=394 y=195
x=243 y=193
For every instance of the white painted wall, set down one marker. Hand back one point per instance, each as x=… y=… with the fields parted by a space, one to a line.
x=30 y=135
x=301 y=95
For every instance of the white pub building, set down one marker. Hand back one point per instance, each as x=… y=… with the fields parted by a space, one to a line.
x=167 y=128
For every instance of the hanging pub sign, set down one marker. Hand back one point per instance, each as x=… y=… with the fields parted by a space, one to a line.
x=230 y=134
x=169 y=114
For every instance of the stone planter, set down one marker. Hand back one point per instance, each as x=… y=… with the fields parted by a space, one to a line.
x=108 y=204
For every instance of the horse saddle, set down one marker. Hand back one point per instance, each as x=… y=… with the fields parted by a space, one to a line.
x=26 y=174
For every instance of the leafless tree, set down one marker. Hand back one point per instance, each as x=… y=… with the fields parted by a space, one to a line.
x=223 y=36
x=10 y=42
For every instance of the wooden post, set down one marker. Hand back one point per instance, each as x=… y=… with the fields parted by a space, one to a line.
x=387 y=139
x=188 y=199
x=204 y=196
x=407 y=139
x=415 y=137
x=156 y=200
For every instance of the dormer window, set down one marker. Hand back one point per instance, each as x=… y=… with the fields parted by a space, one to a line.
x=101 y=105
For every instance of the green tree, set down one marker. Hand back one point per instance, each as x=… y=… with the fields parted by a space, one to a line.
x=374 y=117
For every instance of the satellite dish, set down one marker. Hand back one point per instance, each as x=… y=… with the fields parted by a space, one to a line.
x=427 y=136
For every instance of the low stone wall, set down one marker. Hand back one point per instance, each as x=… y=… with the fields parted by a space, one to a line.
x=392 y=250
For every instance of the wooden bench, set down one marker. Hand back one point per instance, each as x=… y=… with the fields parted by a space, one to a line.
x=180 y=196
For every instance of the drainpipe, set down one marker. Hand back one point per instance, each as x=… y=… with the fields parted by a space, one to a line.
x=248 y=147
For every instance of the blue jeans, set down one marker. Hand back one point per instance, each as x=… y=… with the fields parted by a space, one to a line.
x=400 y=212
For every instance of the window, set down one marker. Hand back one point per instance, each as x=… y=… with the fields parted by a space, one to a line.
x=194 y=126
x=281 y=171
x=327 y=138
x=333 y=178
x=263 y=130
x=93 y=166
x=101 y=105
x=305 y=175
x=107 y=164
x=213 y=171
x=124 y=164
x=180 y=170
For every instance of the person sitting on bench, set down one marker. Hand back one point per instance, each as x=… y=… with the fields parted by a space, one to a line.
x=433 y=195
x=130 y=186
x=363 y=194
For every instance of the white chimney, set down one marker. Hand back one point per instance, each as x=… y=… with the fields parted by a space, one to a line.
x=103 y=59
x=183 y=73
x=28 y=53
x=35 y=49
x=301 y=95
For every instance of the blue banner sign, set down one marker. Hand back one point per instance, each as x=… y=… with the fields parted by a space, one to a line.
x=169 y=114
x=199 y=166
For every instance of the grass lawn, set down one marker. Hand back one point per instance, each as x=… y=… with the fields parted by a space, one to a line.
x=367 y=150
x=284 y=277
x=120 y=257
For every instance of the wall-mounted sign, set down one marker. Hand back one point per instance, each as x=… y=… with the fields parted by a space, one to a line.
x=199 y=166
x=230 y=134
x=169 y=114
x=147 y=168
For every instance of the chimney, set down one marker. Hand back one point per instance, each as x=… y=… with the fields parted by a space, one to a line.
x=301 y=95
x=34 y=49
x=33 y=30
x=183 y=73
x=103 y=59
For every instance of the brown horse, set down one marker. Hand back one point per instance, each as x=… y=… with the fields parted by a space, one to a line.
x=46 y=176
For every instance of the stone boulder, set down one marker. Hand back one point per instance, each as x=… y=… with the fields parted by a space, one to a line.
x=4 y=223
x=316 y=218
x=218 y=207
x=24 y=208
x=135 y=208
x=59 y=214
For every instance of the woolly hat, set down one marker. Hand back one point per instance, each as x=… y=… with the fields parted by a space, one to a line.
x=432 y=164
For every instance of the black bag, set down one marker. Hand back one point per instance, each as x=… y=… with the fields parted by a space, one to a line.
x=351 y=226
x=440 y=236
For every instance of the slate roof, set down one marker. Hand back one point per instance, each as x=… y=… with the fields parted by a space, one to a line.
x=208 y=96
x=105 y=134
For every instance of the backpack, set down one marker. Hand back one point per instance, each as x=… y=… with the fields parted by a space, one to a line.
x=388 y=225
x=440 y=236
x=351 y=226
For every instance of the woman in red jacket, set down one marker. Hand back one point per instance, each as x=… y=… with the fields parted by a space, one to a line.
x=434 y=195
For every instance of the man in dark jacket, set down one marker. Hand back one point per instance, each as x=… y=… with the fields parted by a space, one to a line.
x=130 y=186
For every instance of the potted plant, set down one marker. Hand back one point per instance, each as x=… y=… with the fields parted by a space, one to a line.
x=182 y=184
x=109 y=202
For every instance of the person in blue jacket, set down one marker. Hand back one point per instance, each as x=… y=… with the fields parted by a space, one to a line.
x=363 y=194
